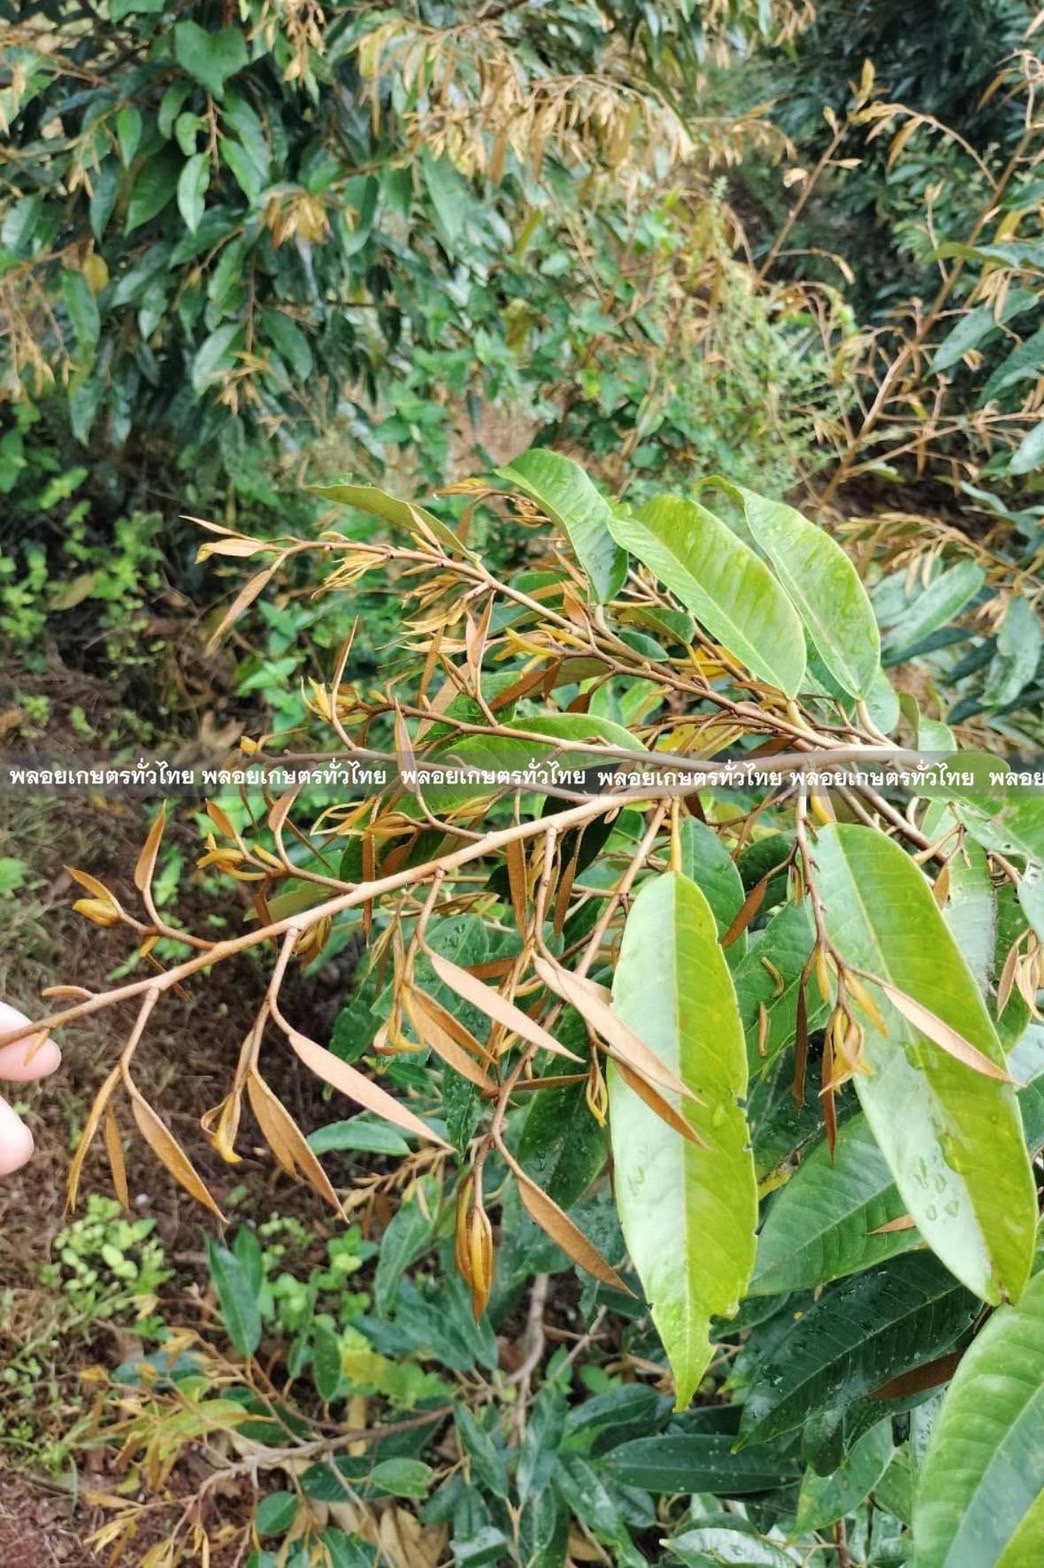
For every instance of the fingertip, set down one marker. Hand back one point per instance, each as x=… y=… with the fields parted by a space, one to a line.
x=46 y=1059
x=25 y=1060
x=16 y=1141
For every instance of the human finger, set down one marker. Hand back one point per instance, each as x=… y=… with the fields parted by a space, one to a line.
x=24 y=1060
x=16 y=1141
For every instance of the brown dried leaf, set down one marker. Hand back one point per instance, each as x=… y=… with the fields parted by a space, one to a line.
x=623 y=1045
x=286 y=1140
x=277 y=813
x=98 y=889
x=114 y=1149
x=349 y=1081
x=656 y=1102
x=146 y=864
x=568 y=1236
x=941 y=1033
x=220 y=819
x=1007 y=979
x=749 y=908
x=904 y=1222
x=800 y=1044
x=931 y=1375
x=250 y=590
x=515 y=856
x=87 y=1136
x=428 y=1029
x=495 y=1006
x=168 y=1150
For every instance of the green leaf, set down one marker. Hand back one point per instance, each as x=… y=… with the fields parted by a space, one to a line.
x=216 y=356
x=1024 y=363
x=823 y=585
x=562 y=1146
x=979 y=1501
x=604 y=1421
x=706 y=861
x=1029 y=454
x=786 y=943
x=275 y=1513
x=1014 y=665
x=696 y=1462
x=326 y=1362
x=733 y=1543
x=82 y=308
x=154 y=187
x=106 y=185
x=567 y=496
x=1031 y=897
x=408 y=1235
x=951 y=1136
x=128 y=132
x=727 y=587
x=932 y=608
x=359 y=1135
x=688 y=1210
x=236 y=1297
x=538 y=1456
x=210 y=58
x=402 y=1477
x=290 y=342
x=820 y=1225
x=1014 y=824
x=192 y=189
x=970 y=909
x=488 y=1467
x=390 y=509
x=973 y=326
x=858 y=1335
x=247 y=1249
x=450 y=197
x=825 y=1498
x=244 y=170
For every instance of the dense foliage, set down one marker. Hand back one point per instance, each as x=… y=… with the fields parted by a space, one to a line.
x=799 y=1029
x=686 y=1205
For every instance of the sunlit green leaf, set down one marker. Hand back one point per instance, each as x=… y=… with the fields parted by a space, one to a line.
x=688 y=1210
x=979 y=1501
x=822 y=583
x=727 y=587
x=567 y=496
x=952 y=1137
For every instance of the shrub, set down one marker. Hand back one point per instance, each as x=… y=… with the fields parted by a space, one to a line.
x=786 y=993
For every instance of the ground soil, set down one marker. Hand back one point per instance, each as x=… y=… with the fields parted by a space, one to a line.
x=183 y=1065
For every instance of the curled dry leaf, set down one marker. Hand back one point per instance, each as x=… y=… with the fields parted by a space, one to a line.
x=429 y=1031
x=495 y=1006
x=941 y=1033
x=340 y=1075
x=286 y=1140
x=146 y=863
x=168 y=1150
x=623 y=1045
x=221 y=1124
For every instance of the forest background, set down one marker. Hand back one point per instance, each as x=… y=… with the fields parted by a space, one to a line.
x=249 y=253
